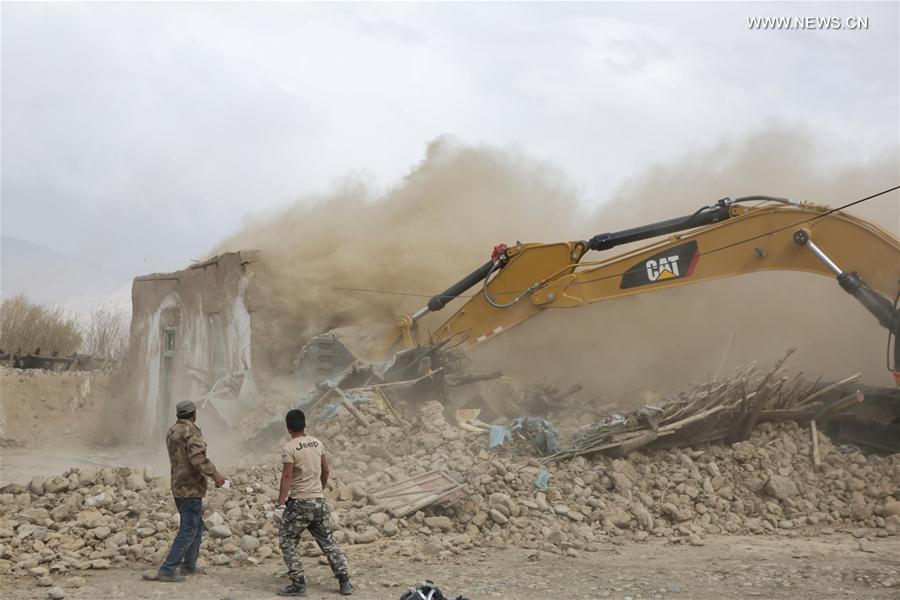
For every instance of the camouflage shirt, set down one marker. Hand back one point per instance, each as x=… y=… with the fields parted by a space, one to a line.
x=187 y=455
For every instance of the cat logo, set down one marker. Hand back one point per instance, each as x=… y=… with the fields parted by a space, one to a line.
x=665 y=268
x=673 y=263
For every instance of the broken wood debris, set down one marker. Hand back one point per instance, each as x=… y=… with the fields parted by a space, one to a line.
x=817 y=458
x=351 y=409
x=713 y=411
x=390 y=407
x=405 y=497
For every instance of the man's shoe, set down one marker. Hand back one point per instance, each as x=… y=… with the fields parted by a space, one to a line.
x=346 y=588
x=297 y=588
x=194 y=571
x=170 y=577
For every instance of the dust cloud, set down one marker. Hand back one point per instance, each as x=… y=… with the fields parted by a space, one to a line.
x=661 y=341
x=439 y=223
x=442 y=220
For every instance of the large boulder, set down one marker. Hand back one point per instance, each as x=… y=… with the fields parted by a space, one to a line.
x=890 y=508
x=442 y=523
x=35 y=515
x=135 y=482
x=615 y=515
x=220 y=531
x=55 y=485
x=249 y=543
x=781 y=487
x=65 y=510
x=36 y=486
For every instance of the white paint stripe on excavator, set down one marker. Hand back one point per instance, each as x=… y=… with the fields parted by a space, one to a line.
x=481 y=338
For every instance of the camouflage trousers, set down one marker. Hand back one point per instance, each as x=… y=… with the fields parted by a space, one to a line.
x=312 y=514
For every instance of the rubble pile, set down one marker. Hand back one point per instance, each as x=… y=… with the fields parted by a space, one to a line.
x=766 y=484
x=720 y=410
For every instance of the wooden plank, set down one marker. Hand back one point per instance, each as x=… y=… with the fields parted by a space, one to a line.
x=309 y=411
x=754 y=411
x=817 y=460
x=829 y=388
x=633 y=444
x=834 y=408
x=390 y=408
x=428 y=475
x=417 y=492
x=402 y=486
x=352 y=409
x=786 y=414
x=394 y=384
x=426 y=482
x=693 y=418
x=404 y=510
x=405 y=497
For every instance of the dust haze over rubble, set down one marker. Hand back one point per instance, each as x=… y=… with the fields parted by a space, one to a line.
x=429 y=230
x=660 y=341
x=442 y=220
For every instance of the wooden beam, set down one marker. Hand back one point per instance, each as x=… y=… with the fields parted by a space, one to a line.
x=390 y=408
x=829 y=388
x=834 y=408
x=817 y=460
x=352 y=409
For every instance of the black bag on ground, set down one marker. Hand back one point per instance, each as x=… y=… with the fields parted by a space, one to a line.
x=426 y=591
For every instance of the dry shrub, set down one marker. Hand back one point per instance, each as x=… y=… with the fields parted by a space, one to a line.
x=26 y=326
x=106 y=332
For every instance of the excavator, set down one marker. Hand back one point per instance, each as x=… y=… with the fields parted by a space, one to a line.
x=728 y=238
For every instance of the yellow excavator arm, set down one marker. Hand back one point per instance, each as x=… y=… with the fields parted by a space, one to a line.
x=730 y=238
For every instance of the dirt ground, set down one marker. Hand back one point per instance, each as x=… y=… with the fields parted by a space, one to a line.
x=43 y=407
x=829 y=566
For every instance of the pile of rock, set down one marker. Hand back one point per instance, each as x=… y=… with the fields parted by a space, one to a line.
x=767 y=484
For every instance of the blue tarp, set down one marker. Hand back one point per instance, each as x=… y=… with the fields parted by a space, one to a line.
x=334 y=409
x=498 y=435
x=543 y=432
x=542 y=479
x=329 y=412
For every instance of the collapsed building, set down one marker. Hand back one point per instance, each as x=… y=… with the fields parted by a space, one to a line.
x=192 y=339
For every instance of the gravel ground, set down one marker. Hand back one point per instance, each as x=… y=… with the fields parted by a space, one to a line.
x=828 y=566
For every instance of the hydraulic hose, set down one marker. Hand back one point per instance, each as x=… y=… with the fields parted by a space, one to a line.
x=490 y=299
x=765 y=199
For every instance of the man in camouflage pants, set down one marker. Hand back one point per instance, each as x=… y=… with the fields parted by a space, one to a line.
x=302 y=494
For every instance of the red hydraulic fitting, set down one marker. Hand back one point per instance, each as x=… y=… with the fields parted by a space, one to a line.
x=499 y=253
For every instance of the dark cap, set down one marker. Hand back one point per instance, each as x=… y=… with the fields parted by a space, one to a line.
x=184 y=408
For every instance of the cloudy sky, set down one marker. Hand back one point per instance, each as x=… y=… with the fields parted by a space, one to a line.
x=136 y=136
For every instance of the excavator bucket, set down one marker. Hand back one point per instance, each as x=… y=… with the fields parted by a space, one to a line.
x=323 y=356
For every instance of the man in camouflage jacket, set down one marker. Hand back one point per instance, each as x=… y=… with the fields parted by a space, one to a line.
x=190 y=468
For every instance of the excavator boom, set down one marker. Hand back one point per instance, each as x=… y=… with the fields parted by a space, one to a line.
x=729 y=238
x=724 y=240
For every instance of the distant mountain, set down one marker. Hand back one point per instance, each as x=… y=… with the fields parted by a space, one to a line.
x=46 y=275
